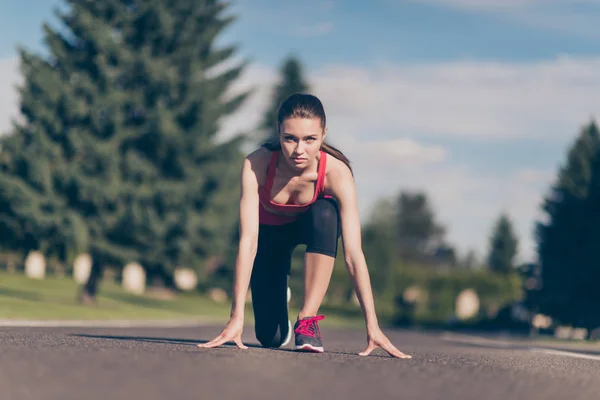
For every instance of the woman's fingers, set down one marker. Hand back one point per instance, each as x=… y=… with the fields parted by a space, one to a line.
x=239 y=343
x=393 y=351
x=387 y=346
x=372 y=346
x=221 y=339
x=213 y=342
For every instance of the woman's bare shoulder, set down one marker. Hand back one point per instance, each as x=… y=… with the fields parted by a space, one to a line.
x=258 y=161
x=261 y=154
x=336 y=168
x=337 y=172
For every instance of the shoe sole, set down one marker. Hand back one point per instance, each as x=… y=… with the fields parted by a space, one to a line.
x=287 y=339
x=289 y=335
x=307 y=348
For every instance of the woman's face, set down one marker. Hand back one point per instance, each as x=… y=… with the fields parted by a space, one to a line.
x=301 y=140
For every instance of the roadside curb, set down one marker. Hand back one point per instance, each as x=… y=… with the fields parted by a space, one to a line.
x=106 y=323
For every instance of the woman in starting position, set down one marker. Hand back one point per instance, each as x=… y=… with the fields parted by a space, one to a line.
x=297 y=190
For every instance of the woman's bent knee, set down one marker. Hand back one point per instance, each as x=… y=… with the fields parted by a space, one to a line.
x=324 y=211
x=272 y=337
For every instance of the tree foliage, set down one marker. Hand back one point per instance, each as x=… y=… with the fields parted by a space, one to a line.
x=503 y=246
x=119 y=151
x=567 y=237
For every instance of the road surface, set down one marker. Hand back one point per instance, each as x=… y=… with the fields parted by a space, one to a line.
x=164 y=363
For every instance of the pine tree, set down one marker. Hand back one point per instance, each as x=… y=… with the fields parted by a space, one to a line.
x=292 y=80
x=503 y=246
x=469 y=260
x=418 y=234
x=35 y=216
x=562 y=238
x=379 y=244
x=586 y=296
x=120 y=140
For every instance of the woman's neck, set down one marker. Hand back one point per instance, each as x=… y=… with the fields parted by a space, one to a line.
x=290 y=172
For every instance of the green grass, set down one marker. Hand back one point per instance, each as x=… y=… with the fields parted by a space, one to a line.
x=54 y=298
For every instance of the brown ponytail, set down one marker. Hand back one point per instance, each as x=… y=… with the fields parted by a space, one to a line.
x=300 y=105
x=332 y=151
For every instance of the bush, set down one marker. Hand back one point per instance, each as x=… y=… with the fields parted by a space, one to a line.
x=440 y=288
x=436 y=291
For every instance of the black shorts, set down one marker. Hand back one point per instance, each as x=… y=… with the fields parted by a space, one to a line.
x=319 y=228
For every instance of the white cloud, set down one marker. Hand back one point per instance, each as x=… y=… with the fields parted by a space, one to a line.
x=259 y=79
x=396 y=152
x=534 y=176
x=9 y=78
x=464 y=99
x=320 y=29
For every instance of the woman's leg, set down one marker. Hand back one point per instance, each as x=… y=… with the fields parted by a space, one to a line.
x=268 y=285
x=321 y=230
x=317 y=275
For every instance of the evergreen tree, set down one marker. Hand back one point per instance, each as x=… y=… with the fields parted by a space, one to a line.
x=379 y=244
x=563 y=239
x=586 y=296
x=119 y=153
x=503 y=246
x=419 y=235
x=292 y=80
x=469 y=260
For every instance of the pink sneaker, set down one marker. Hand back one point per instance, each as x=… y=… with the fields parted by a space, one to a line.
x=308 y=334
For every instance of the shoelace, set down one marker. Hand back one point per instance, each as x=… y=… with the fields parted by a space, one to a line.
x=308 y=326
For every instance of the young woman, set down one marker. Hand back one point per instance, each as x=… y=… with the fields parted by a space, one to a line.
x=297 y=190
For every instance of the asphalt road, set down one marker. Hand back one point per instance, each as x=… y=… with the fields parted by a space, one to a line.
x=164 y=363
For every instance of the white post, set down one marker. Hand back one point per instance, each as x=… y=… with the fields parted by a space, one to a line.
x=35 y=265
x=134 y=278
x=82 y=267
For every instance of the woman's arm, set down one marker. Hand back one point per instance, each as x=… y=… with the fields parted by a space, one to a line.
x=343 y=188
x=246 y=253
x=248 y=238
x=342 y=185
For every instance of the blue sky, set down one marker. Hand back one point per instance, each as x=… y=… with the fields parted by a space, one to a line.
x=405 y=31
x=473 y=101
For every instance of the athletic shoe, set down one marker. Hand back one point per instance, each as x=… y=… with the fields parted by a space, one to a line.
x=308 y=334
x=287 y=339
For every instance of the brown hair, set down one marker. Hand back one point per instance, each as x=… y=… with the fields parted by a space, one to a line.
x=301 y=105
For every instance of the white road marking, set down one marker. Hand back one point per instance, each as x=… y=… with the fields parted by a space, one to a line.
x=461 y=338
x=564 y=353
x=502 y=344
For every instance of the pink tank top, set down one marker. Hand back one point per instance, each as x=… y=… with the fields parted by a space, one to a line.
x=266 y=204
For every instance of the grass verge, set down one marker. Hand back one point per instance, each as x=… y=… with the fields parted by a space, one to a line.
x=53 y=298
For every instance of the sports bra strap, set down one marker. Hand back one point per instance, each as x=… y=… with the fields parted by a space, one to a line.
x=322 y=171
x=271 y=171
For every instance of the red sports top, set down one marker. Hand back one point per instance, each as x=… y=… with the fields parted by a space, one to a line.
x=264 y=193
